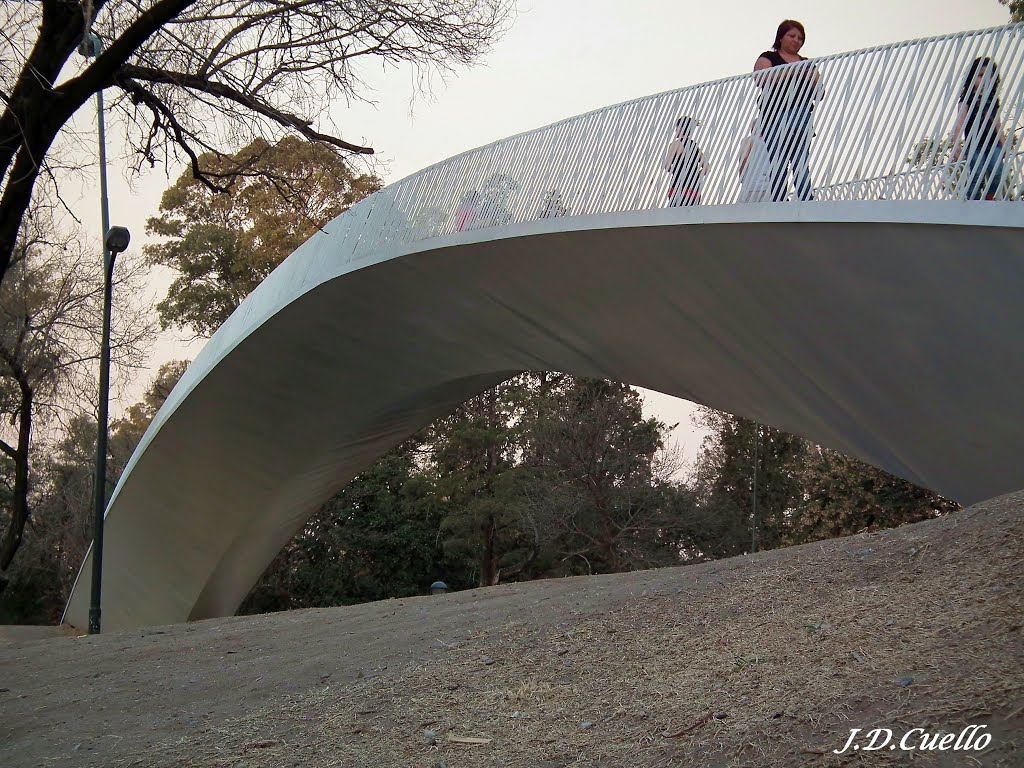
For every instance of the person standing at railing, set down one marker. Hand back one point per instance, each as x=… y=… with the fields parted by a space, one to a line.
x=553 y=205
x=787 y=99
x=978 y=120
x=465 y=214
x=686 y=165
x=755 y=168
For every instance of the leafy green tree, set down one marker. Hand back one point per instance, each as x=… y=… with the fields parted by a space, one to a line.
x=732 y=452
x=606 y=489
x=804 y=492
x=476 y=462
x=222 y=246
x=59 y=530
x=1016 y=8
x=843 y=495
x=543 y=475
x=377 y=538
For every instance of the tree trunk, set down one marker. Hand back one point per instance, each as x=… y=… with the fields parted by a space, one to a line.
x=489 y=573
x=488 y=559
x=19 y=503
x=522 y=565
x=37 y=108
x=33 y=116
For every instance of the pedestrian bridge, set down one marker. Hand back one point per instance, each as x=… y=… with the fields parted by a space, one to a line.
x=883 y=319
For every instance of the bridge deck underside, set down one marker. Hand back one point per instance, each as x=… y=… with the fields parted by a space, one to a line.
x=899 y=343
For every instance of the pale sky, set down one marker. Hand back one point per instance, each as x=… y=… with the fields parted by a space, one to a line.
x=561 y=58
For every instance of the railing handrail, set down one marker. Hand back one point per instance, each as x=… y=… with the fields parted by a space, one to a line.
x=869 y=110
x=718 y=81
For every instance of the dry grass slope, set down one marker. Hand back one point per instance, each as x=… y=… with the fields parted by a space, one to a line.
x=757 y=661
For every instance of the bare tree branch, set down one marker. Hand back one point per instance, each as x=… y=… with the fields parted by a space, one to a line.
x=50 y=312
x=128 y=74
x=213 y=75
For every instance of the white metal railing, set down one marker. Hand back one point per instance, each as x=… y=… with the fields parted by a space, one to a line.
x=880 y=129
x=946 y=180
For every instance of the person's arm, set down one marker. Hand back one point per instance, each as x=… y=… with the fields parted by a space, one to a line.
x=958 y=128
x=815 y=75
x=759 y=66
x=817 y=89
x=670 y=155
x=805 y=79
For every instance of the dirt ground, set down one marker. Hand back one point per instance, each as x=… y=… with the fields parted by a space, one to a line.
x=767 y=660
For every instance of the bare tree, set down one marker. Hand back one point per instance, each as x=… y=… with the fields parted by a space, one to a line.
x=208 y=76
x=50 y=310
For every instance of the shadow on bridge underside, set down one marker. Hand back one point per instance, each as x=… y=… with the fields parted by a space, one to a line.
x=892 y=332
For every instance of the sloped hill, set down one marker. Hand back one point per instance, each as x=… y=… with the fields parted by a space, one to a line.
x=768 y=660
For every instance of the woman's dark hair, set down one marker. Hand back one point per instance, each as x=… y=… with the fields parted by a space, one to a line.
x=784 y=27
x=687 y=123
x=979 y=64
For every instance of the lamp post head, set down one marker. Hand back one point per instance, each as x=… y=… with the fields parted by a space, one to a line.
x=438 y=588
x=90 y=46
x=117 y=239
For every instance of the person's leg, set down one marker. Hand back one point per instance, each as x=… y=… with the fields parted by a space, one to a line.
x=802 y=159
x=982 y=170
x=774 y=127
x=975 y=173
x=994 y=171
x=779 y=169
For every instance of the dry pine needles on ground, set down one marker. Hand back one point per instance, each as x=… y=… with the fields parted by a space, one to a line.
x=756 y=661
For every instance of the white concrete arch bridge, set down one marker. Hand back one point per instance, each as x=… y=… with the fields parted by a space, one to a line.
x=884 y=318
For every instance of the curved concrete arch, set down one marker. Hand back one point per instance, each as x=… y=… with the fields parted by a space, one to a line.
x=883 y=320
x=891 y=332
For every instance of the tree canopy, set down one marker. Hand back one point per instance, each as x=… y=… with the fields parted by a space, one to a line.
x=804 y=492
x=1016 y=8
x=195 y=77
x=735 y=449
x=223 y=246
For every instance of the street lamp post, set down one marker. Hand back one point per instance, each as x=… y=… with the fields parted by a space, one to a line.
x=755 y=528
x=116 y=241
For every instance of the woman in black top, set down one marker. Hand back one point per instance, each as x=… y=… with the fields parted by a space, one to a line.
x=787 y=98
x=983 y=135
